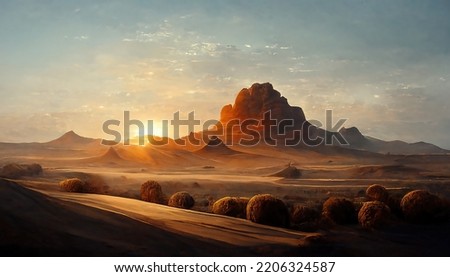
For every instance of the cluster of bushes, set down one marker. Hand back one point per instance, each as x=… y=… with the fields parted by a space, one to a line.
x=231 y=206
x=378 y=209
x=418 y=206
x=151 y=191
x=92 y=184
x=15 y=171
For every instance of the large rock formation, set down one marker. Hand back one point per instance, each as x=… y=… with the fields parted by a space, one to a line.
x=246 y=122
x=254 y=102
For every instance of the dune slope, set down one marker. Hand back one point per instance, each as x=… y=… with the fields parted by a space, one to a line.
x=70 y=224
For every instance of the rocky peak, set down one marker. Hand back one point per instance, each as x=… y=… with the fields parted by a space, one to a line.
x=71 y=138
x=351 y=132
x=254 y=102
x=352 y=135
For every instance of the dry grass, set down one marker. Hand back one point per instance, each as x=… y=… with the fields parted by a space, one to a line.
x=268 y=210
x=231 y=206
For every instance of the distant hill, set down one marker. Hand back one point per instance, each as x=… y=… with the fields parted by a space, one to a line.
x=110 y=156
x=361 y=142
x=217 y=147
x=252 y=105
x=71 y=139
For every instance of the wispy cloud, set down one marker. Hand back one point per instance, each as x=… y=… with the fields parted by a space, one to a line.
x=82 y=37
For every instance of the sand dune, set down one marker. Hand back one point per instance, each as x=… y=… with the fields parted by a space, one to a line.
x=290 y=172
x=109 y=157
x=217 y=147
x=57 y=223
x=228 y=230
x=47 y=222
x=386 y=171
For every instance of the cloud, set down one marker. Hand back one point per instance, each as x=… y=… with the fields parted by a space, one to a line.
x=82 y=37
x=40 y=127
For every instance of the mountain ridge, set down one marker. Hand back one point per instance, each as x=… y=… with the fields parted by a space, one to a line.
x=252 y=104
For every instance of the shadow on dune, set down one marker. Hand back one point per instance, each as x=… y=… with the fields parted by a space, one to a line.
x=34 y=224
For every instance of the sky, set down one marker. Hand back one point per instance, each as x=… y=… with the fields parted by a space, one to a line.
x=71 y=65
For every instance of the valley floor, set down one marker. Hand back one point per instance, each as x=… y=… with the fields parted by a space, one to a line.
x=38 y=219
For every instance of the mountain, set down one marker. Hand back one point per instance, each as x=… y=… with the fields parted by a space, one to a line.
x=353 y=136
x=260 y=114
x=217 y=147
x=256 y=105
x=254 y=102
x=358 y=141
x=71 y=138
x=110 y=156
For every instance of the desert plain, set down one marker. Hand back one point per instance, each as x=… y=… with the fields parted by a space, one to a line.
x=40 y=218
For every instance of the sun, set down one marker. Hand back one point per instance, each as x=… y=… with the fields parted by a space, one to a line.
x=154 y=128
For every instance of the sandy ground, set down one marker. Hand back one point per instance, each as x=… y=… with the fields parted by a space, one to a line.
x=38 y=219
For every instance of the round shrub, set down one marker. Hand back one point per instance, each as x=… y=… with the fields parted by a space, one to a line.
x=72 y=185
x=393 y=203
x=231 y=206
x=304 y=218
x=268 y=210
x=182 y=200
x=339 y=210
x=13 y=171
x=151 y=191
x=35 y=169
x=19 y=170
x=303 y=214
x=94 y=184
x=377 y=193
x=373 y=214
x=420 y=206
